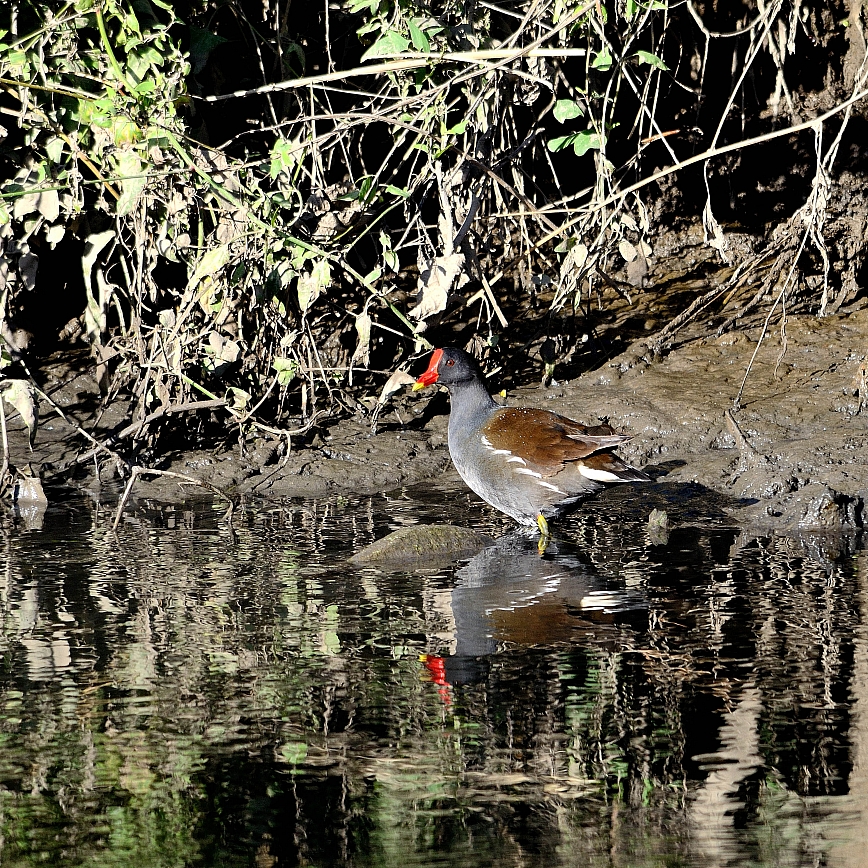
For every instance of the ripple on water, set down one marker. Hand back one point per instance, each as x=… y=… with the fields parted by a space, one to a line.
x=189 y=692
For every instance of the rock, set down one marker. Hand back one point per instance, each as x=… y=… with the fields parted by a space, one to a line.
x=658 y=527
x=422 y=543
x=826 y=509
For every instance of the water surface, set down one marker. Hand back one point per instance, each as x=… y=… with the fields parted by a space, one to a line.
x=190 y=691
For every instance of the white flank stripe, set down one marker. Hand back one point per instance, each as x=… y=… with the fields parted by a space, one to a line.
x=528 y=472
x=552 y=487
x=485 y=441
x=516 y=458
x=598 y=475
x=504 y=452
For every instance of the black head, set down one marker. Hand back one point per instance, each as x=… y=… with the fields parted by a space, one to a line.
x=448 y=367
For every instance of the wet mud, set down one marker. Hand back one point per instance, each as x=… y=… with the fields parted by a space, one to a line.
x=793 y=455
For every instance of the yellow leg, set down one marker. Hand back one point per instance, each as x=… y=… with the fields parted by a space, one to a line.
x=544 y=535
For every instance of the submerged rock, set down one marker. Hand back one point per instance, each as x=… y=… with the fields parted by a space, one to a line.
x=422 y=543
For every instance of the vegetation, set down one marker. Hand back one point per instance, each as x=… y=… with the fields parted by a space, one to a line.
x=267 y=209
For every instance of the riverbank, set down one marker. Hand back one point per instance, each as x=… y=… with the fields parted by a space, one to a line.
x=793 y=456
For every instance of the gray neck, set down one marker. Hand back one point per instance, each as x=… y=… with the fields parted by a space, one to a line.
x=470 y=404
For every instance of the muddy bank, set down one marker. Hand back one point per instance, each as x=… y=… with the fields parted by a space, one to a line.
x=794 y=455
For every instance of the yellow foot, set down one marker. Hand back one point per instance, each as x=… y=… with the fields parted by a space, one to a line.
x=544 y=535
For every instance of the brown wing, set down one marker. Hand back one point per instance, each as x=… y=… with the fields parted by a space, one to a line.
x=545 y=440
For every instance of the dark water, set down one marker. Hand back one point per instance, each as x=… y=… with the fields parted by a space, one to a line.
x=186 y=692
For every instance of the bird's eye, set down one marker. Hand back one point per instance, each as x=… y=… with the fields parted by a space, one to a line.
x=450 y=363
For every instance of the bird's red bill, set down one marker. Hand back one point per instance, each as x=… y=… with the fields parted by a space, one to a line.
x=430 y=376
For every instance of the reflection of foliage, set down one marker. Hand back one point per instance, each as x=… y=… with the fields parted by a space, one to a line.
x=170 y=699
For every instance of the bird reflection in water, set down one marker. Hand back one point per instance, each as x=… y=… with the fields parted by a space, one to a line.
x=507 y=595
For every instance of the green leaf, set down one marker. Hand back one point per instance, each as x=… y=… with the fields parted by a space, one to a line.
x=374 y=276
x=397 y=191
x=358 y=5
x=566 y=109
x=389 y=255
x=237 y=398
x=561 y=142
x=365 y=188
x=653 y=59
x=282 y=157
x=286 y=370
x=580 y=142
x=458 y=129
x=587 y=141
x=210 y=263
x=391 y=42
x=54 y=149
x=631 y=8
x=603 y=61
x=419 y=39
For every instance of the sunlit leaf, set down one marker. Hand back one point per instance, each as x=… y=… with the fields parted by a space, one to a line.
x=374 y=275
x=54 y=234
x=362 y=353
x=603 y=61
x=209 y=263
x=28 y=267
x=19 y=394
x=94 y=312
x=237 y=398
x=54 y=149
x=223 y=349
x=311 y=286
x=283 y=156
x=46 y=202
x=419 y=39
x=565 y=109
x=627 y=250
x=132 y=179
x=653 y=59
x=458 y=129
x=560 y=142
x=580 y=142
x=397 y=191
x=397 y=381
x=435 y=283
x=587 y=141
x=391 y=42
x=286 y=370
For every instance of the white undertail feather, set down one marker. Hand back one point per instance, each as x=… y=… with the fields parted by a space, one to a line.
x=599 y=475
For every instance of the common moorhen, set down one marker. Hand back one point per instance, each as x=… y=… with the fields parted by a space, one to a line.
x=531 y=464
